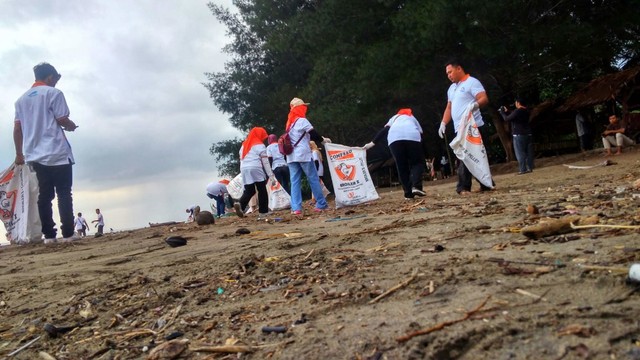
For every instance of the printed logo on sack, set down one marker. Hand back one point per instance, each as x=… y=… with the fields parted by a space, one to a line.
x=7 y=204
x=346 y=172
x=337 y=155
x=275 y=187
x=473 y=134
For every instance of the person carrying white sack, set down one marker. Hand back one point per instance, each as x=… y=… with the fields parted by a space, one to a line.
x=255 y=170
x=404 y=136
x=466 y=94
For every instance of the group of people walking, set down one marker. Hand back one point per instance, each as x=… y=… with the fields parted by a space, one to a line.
x=262 y=165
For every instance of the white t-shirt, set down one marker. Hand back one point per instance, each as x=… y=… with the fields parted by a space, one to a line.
x=302 y=151
x=100 y=220
x=217 y=188
x=80 y=222
x=44 y=140
x=403 y=127
x=274 y=153
x=316 y=157
x=251 y=166
x=461 y=95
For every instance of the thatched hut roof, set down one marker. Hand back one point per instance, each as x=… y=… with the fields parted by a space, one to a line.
x=602 y=89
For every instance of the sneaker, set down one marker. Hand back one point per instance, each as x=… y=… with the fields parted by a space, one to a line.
x=296 y=212
x=318 y=210
x=408 y=199
x=264 y=216
x=49 y=241
x=71 y=238
x=418 y=192
x=238 y=210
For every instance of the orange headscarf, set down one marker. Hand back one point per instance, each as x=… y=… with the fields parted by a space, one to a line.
x=296 y=112
x=257 y=135
x=405 y=112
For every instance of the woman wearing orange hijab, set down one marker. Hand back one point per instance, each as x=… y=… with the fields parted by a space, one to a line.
x=255 y=170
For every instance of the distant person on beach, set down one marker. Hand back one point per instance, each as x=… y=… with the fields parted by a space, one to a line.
x=584 y=132
x=217 y=190
x=193 y=212
x=256 y=171
x=522 y=135
x=614 y=135
x=99 y=223
x=81 y=225
x=404 y=136
x=278 y=163
x=41 y=118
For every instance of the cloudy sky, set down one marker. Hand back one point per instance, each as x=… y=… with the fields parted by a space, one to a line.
x=131 y=74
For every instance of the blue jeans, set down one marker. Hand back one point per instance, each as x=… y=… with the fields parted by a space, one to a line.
x=54 y=180
x=219 y=204
x=295 y=171
x=523 y=147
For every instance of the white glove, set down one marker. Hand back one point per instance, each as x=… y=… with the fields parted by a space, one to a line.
x=442 y=129
x=273 y=180
x=326 y=140
x=474 y=106
x=369 y=145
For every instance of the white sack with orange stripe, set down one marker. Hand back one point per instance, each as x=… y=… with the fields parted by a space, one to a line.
x=469 y=148
x=352 y=183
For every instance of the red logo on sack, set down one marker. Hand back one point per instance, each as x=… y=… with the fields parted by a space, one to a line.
x=473 y=134
x=7 y=204
x=346 y=172
x=275 y=187
x=336 y=155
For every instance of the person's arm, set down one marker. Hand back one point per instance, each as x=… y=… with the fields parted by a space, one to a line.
x=66 y=123
x=482 y=99
x=446 y=117
x=381 y=135
x=315 y=136
x=17 y=140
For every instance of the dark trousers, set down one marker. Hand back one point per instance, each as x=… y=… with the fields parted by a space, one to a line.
x=523 y=147
x=263 y=196
x=54 y=180
x=282 y=175
x=464 y=179
x=219 y=204
x=100 y=229
x=409 y=158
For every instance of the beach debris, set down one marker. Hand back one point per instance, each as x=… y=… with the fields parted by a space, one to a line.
x=552 y=226
x=243 y=231
x=578 y=330
x=176 y=241
x=604 y=163
x=205 y=218
x=54 y=331
x=168 y=350
x=443 y=324
x=632 y=227
x=634 y=273
x=403 y=284
x=531 y=295
x=24 y=346
x=274 y=329
x=532 y=209
x=436 y=248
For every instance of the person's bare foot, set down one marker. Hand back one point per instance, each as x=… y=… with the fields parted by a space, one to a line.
x=618 y=152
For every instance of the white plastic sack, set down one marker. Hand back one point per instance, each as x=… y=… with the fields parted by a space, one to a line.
x=352 y=183
x=469 y=148
x=19 y=205
x=235 y=187
x=279 y=199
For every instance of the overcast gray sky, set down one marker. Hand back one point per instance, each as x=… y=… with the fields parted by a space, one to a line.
x=131 y=74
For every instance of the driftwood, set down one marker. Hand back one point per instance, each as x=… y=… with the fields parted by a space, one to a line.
x=164 y=223
x=414 y=274
x=442 y=325
x=549 y=227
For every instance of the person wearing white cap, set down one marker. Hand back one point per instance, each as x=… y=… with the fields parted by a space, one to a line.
x=300 y=160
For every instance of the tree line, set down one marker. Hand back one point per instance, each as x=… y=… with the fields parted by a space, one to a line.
x=358 y=61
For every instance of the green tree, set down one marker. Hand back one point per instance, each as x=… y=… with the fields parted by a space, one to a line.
x=358 y=61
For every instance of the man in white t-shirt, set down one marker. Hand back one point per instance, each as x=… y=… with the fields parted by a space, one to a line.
x=465 y=94
x=41 y=118
x=99 y=223
x=81 y=225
